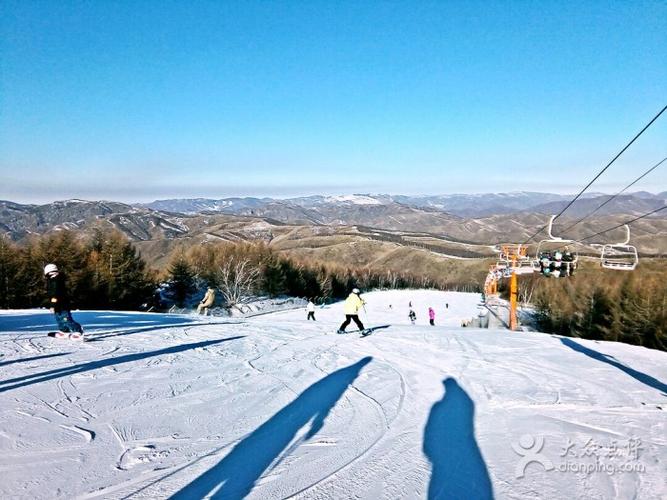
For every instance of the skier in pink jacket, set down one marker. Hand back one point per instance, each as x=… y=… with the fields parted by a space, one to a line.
x=431 y=316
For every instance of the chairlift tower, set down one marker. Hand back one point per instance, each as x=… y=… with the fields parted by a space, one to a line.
x=512 y=261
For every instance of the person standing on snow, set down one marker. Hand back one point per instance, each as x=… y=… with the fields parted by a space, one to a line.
x=351 y=309
x=311 y=310
x=412 y=316
x=431 y=316
x=56 y=292
x=207 y=301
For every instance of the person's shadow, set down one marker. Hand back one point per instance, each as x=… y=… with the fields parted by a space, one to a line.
x=610 y=360
x=458 y=469
x=36 y=378
x=236 y=474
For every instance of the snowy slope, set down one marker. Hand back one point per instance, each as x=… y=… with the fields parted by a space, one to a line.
x=274 y=407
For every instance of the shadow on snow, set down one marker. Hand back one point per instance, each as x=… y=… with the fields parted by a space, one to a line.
x=458 y=469
x=33 y=358
x=642 y=377
x=35 y=378
x=235 y=475
x=101 y=336
x=92 y=321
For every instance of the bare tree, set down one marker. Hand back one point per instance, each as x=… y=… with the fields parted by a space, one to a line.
x=392 y=279
x=526 y=289
x=324 y=281
x=237 y=280
x=425 y=282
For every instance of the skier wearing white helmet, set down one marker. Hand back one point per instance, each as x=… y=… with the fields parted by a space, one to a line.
x=351 y=309
x=56 y=291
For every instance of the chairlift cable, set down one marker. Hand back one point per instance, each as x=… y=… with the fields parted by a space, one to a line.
x=623 y=224
x=599 y=173
x=570 y=242
x=617 y=194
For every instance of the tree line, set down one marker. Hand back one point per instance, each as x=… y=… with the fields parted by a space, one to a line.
x=105 y=271
x=601 y=304
x=240 y=271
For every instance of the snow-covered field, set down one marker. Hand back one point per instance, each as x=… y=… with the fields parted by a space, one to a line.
x=275 y=407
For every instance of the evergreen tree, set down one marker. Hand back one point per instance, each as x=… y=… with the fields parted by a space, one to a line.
x=600 y=319
x=66 y=251
x=274 y=278
x=10 y=287
x=129 y=284
x=30 y=276
x=181 y=280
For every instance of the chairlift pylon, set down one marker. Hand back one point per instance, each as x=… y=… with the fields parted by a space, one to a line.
x=514 y=258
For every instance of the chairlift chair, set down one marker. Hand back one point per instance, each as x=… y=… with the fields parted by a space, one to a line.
x=620 y=256
x=554 y=244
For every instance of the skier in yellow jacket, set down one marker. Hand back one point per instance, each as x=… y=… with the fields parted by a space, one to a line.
x=351 y=309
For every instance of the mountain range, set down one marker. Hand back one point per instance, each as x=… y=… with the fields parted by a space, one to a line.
x=331 y=227
x=462 y=205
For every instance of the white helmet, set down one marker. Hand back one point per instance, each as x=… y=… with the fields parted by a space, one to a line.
x=50 y=268
x=356 y=290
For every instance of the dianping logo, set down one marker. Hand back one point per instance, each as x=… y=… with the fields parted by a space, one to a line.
x=529 y=448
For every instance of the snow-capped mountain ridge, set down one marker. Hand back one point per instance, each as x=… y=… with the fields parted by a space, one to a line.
x=463 y=205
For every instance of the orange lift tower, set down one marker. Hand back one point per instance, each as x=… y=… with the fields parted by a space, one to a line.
x=514 y=290
x=514 y=260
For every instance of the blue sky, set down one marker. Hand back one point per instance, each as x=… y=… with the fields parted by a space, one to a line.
x=135 y=101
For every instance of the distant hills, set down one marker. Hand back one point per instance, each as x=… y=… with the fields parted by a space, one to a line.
x=461 y=205
x=350 y=228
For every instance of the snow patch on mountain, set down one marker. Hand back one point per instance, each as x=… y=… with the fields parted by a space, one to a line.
x=354 y=199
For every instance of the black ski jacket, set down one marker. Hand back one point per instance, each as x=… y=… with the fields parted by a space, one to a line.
x=56 y=292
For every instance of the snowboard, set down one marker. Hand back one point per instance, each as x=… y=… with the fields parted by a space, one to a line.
x=347 y=332
x=367 y=331
x=71 y=336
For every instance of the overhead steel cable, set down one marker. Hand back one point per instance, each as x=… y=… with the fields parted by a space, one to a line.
x=623 y=224
x=599 y=174
x=617 y=194
x=570 y=242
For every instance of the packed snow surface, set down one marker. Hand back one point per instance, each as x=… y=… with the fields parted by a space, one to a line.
x=274 y=406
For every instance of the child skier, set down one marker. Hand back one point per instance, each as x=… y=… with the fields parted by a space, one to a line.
x=56 y=291
x=431 y=316
x=351 y=308
x=412 y=316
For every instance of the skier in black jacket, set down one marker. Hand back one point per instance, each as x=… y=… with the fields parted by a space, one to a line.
x=56 y=291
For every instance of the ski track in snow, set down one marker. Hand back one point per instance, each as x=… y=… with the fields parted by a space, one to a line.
x=156 y=404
